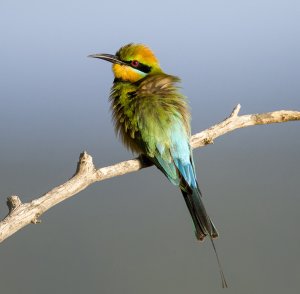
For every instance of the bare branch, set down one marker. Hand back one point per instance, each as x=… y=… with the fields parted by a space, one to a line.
x=21 y=214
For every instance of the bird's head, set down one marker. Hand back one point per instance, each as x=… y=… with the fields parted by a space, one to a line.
x=132 y=62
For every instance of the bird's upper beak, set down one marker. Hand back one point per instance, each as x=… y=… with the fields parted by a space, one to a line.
x=108 y=57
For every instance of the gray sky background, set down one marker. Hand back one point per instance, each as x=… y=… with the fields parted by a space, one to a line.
x=133 y=234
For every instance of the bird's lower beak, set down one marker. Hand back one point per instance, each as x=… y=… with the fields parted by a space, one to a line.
x=108 y=57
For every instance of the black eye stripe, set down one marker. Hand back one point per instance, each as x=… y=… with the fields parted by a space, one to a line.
x=142 y=67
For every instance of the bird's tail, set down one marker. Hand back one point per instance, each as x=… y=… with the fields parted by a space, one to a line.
x=203 y=224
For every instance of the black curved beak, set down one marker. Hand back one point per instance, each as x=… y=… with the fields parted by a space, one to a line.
x=108 y=57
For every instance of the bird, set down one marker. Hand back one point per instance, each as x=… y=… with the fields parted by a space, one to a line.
x=152 y=118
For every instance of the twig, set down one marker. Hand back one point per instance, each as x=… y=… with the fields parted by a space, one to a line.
x=21 y=214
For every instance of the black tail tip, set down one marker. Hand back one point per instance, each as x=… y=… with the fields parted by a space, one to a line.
x=200 y=236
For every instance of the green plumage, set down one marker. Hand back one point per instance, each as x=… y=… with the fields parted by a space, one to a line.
x=144 y=111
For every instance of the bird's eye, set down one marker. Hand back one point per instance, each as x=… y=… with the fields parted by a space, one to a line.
x=134 y=63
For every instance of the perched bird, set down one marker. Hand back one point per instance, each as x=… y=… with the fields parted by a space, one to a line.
x=152 y=118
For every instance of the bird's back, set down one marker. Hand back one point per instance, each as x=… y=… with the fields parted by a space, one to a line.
x=145 y=112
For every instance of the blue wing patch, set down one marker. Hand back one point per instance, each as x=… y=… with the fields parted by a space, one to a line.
x=176 y=157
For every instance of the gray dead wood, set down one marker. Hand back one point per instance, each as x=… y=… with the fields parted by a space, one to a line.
x=22 y=214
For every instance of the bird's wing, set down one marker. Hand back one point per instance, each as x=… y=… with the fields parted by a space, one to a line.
x=181 y=154
x=164 y=126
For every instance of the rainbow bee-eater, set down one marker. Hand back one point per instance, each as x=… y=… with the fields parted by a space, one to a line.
x=152 y=118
